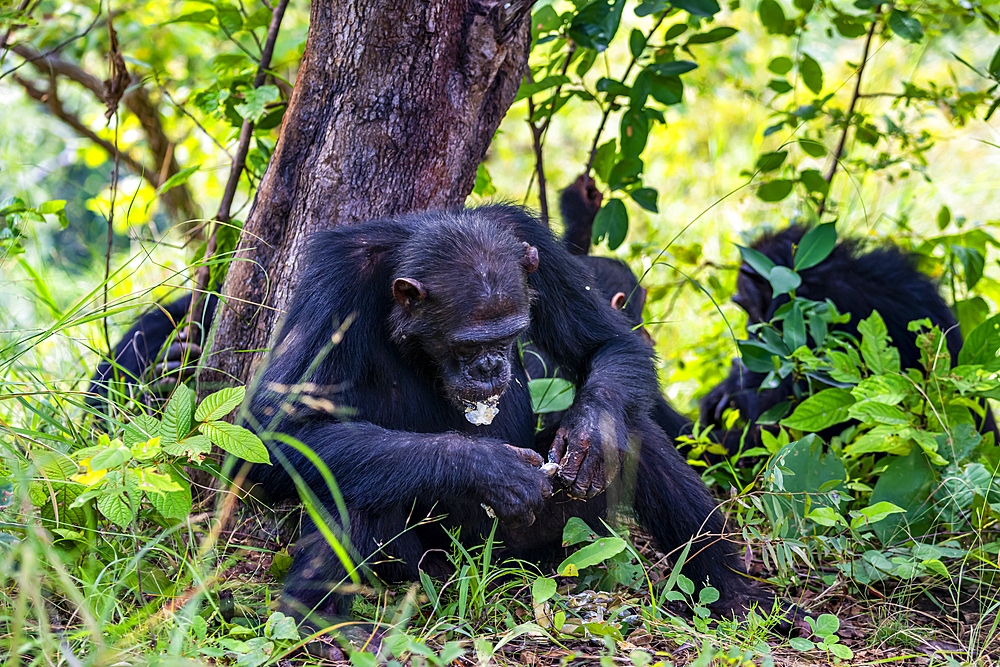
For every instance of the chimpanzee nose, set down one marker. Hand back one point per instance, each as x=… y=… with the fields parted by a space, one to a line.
x=486 y=368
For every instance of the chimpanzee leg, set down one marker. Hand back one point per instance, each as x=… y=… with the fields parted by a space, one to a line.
x=673 y=504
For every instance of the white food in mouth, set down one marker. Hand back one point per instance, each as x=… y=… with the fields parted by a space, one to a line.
x=482 y=412
x=550 y=469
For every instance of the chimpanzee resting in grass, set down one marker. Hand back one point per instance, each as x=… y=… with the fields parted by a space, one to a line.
x=396 y=365
x=858 y=281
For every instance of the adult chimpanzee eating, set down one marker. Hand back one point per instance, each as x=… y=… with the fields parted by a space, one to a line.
x=858 y=281
x=396 y=365
x=142 y=355
x=615 y=281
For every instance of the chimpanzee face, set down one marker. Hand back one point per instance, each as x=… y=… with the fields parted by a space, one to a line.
x=465 y=319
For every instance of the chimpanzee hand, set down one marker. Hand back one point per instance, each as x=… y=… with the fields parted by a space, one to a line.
x=585 y=188
x=714 y=403
x=580 y=446
x=177 y=364
x=513 y=486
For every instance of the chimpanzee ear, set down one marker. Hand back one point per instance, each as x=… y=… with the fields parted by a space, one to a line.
x=530 y=259
x=408 y=292
x=618 y=300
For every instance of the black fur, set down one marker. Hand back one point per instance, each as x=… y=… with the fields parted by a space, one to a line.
x=858 y=280
x=379 y=416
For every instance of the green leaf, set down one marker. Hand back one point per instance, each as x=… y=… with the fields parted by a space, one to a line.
x=594 y=553
x=672 y=68
x=812 y=148
x=708 y=595
x=576 y=530
x=873 y=514
x=551 y=394
x=141 y=429
x=876 y=348
x=636 y=42
x=543 y=589
x=815 y=246
x=595 y=25
x=849 y=26
x=994 y=66
x=841 y=651
x=484 y=182
x=703 y=8
x=611 y=222
x=545 y=19
x=529 y=88
x=973 y=263
x=115 y=508
x=633 y=133
x=887 y=389
x=625 y=172
x=755 y=356
x=236 y=440
x=772 y=16
x=52 y=207
x=774 y=191
x=281 y=627
x=821 y=410
x=229 y=17
x=673 y=31
x=982 y=345
x=794 y=328
x=173 y=504
x=204 y=16
x=812 y=73
x=780 y=86
x=825 y=516
x=177 y=416
x=667 y=90
x=219 y=404
x=604 y=160
x=180 y=178
x=111 y=457
x=780 y=65
x=646 y=198
x=906 y=25
x=800 y=644
x=756 y=260
x=712 y=36
x=255 y=102
x=783 y=280
x=878 y=413
x=906 y=483
x=771 y=161
x=814 y=182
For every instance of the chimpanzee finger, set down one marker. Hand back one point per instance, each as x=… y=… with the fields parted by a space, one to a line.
x=179 y=351
x=720 y=407
x=587 y=478
x=576 y=454
x=529 y=456
x=558 y=447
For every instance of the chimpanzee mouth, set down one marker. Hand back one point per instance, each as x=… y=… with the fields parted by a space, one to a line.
x=482 y=413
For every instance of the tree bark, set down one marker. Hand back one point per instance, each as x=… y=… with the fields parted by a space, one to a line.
x=394 y=108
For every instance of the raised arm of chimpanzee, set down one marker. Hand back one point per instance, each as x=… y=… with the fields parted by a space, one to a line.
x=579 y=204
x=594 y=347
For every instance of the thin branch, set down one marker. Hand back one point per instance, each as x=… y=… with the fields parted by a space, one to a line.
x=57 y=47
x=222 y=216
x=850 y=111
x=607 y=112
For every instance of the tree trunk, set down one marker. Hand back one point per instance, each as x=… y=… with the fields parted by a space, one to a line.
x=394 y=108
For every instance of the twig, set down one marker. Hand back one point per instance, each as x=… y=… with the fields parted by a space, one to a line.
x=57 y=47
x=607 y=112
x=850 y=111
x=10 y=31
x=222 y=216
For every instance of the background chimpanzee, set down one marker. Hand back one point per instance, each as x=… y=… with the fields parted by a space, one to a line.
x=142 y=356
x=396 y=366
x=858 y=281
x=615 y=281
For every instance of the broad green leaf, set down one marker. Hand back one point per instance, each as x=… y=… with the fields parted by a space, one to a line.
x=646 y=198
x=876 y=346
x=604 y=160
x=849 y=26
x=960 y=444
x=173 y=504
x=982 y=345
x=793 y=328
x=543 y=589
x=141 y=429
x=878 y=413
x=633 y=133
x=815 y=246
x=237 y=441
x=821 y=410
x=576 y=530
x=906 y=25
x=545 y=19
x=755 y=356
x=647 y=7
x=529 y=88
x=887 y=389
x=52 y=207
x=255 y=102
x=229 y=17
x=780 y=65
x=151 y=480
x=636 y=42
x=672 y=68
x=712 y=36
x=973 y=263
x=703 y=8
x=611 y=222
x=595 y=25
x=180 y=178
x=625 y=172
x=667 y=90
x=800 y=644
x=783 y=280
x=774 y=191
x=771 y=161
x=811 y=469
x=780 y=86
x=204 y=16
x=115 y=507
x=111 y=457
x=551 y=394
x=812 y=148
x=812 y=73
x=592 y=554
x=875 y=513
x=906 y=483
x=708 y=595
x=825 y=516
x=756 y=260
x=221 y=403
x=772 y=16
x=994 y=66
x=282 y=627
x=177 y=416
x=814 y=182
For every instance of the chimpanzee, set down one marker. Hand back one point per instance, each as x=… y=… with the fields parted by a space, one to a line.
x=140 y=358
x=858 y=281
x=396 y=365
x=579 y=203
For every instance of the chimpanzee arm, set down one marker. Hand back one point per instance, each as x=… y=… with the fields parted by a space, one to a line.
x=579 y=204
x=593 y=345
